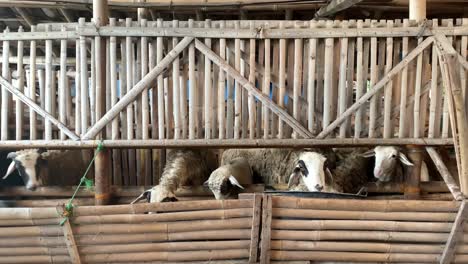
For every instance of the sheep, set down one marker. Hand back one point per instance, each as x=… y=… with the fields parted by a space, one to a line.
x=228 y=179
x=37 y=166
x=184 y=167
x=279 y=166
x=387 y=168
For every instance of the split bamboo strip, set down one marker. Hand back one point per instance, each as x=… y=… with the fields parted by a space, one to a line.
x=357 y=247
x=266 y=89
x=244 y=94
x=19 y=105
x=165 y=246
x=207 y=86
x=84 y=82
x=342 y=92
x=183 y=95
x=388 y=127
x=297 y=77
x=345 y=129
x=192 y=89
x=62 y=84
x=137 y=89
x=175 y=87
x=312 y=61
x=251 y=99
x=222 y=88
x=435 y=95
x=374 y=73
x=207 y=255
x=71 y=243
x=32 y=88
x=5 y=96
x=366 y=205
x=282 y=80
x=377 y=87
x=358 y=119
x=250 y=87
x=57 y=241
x=49 y=96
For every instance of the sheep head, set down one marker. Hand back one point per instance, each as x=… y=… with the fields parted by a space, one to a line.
x=310 y=167
x=222 y=183
x=157 y=194
x=28 y=164
x=386 y=160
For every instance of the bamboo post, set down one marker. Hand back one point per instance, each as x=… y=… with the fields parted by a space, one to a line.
x=207 y=88
x=129 y=73
x=19 y=105
x=103 y=159
x=222 y=87
x=297 y=81
x=417 y=10
x=266 y=89
x=159 y=57
x=62 y=84
x=84 y=80
x=5 y=96
x=92 y=75
x=175 y=87
x=49 y=96
x=342 y=82
x=312 y=61
x=32 y=88
x=192 y=88
x=412 y=188
x=251 y=99
x=123 y=115
x=388 y=127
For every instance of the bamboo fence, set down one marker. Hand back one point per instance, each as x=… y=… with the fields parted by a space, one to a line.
x=226 y=84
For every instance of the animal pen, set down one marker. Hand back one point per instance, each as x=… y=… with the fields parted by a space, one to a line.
x=139 y=87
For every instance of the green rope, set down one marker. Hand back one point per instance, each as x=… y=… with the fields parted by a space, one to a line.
x=68 y=210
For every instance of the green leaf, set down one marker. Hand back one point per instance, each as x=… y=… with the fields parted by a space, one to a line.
x=69 y=206
x=63 y=221
x=88 y=184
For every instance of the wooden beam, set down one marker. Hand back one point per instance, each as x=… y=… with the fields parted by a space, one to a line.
x=334 y=7
x=445 y=173
x=71 y=243
x=251 y=89
x=25 y=99
x=134 y=92
x=224 y=143
x=455 y=234
x=378 y=86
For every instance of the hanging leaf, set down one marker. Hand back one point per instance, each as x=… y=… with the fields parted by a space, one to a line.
x=63 y=221
x=88 y=184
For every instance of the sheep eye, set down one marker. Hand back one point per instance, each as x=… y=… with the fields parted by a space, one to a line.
x=393 y=156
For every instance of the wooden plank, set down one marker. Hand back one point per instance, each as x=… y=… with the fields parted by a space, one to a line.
x=32 y=88
x=297 y=77
x=455 y=234
x=250 y=87
x=19 y=105
x=377 y=87
x=311 y=87
x=208 y=97
x=445 y=173
x=71 y=243
x=255 y=231
x=266 y=229
x=388 y=127
x=49 y=96
x=251 y=99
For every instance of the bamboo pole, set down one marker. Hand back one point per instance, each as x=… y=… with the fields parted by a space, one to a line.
x=251 y=99
x=417 y=94
x=92 y=77
x=244 y=94
x=27 y=251
x=49 y=96
x=175 y=87
x=446 y=120
x=342 y=92
x=435 y=95
x=137 y=89
x=312 y=60
x=35 y=259
x=77 y=86
x=5 y=96
x=328 y=79
x=297 y=78
x=192 y=89
x=207 y=89
x=281 y=79
x=266 y=89
x=62 y=84
x=19 y=105
x=388 y=127
x=222 y=88
x=83 y=82
x=32 y=88
x=377 y=87
x=237 y=88
x=113 y=79
x=183 y=96
x=359 y=82
x=144 y=95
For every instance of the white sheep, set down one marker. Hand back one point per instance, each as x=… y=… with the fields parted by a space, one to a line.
x=229 y=179
x=389 y=161
x=184 y=167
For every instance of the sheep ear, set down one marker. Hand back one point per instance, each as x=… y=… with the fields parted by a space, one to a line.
x=11 y=155
x=206 y=183
x=10 y=170
x=234 y=181
x=329 y=174
x=368 y=154
x=294 y=180
x=404 y=159
x=142 y=196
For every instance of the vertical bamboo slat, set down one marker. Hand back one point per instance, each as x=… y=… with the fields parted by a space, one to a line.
x=345 y=128
x=49 y=97
x=417 y=93
x=207 y=86
x=404 y=87
x=63 y=83
x=259 y=121
x=359 y=82
x=123 y=114
x=342 y=82
x=192 y=88
x=144 y=96
x=175 y=87
x=298 y=46
x=374 y=72
x=282 y=79
x=84 y=81
x=77 y=86
x=435 y=94
x=388 y=129
x=93 y=88
x=5 y=94
x=244 y=94
x=221 y=87
x=237 y=89
x=183 y=97
x=445 y=111
x=266 y=89
x=154 y=113
x=159 y=56
x=464 y=53
x=312 y=57
x=251 y=100
x=129 y=73
x=19 y=104
x=328 y=79
x=32 y=88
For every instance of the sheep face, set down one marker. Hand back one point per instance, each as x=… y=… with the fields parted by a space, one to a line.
x=310 y=166
x=222 y=184
x=386 y=161
x=27 y=163
x=157 y=194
